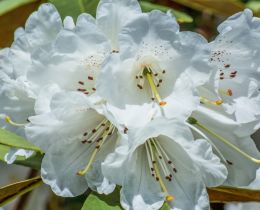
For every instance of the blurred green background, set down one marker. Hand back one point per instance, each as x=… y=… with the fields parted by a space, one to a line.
x=196 y=15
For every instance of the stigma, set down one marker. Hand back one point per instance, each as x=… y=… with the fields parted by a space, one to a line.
x=204 y=100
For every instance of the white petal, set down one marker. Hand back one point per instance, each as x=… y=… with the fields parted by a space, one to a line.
x=68 y=115
x=235 y=55
x=97 y=181
x=43 y=25
x=189 y=193
x=140 y=191
x=241 y=170
x=111 y=17
x=114 y=165
x=69 y=23
x=42 y=104
x=183 y=93
x=11 y=156
x=213 y=172
x=60 y=166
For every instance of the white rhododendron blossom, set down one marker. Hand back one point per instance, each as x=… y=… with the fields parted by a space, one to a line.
x=156 y=64
x=87 y=133
x=236 y=56
x=158 y=167
x=47 y=51
x=128 y=99
x=236 y=88
x=17 y=94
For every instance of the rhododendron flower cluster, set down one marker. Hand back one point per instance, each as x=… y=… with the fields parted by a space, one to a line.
x=128 y=99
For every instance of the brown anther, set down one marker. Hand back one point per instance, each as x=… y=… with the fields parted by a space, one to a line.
x=94 y=130
x=81 y=83
x=81 y=89
x=125 y=130
x=90 y=78
x=229 y=92
x=229 y=162
x=115 y=51
x=84 y=141
x=227 y=65
x=140 y=86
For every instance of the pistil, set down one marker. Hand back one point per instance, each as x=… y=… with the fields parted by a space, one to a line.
x=155 y=92
x=194 y=121
x=204 y=100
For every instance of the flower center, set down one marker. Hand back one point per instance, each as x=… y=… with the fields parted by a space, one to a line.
x=152 y=73
x=91 y=65
x=160 y=164
x=96 y=138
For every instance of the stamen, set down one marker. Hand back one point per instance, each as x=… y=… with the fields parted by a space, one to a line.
x=154 y=89
x=161 y=160
x=168 y=197
x=227 y=143
x=166 y=156
x=204 y=100
x=96 y=150
x=9 y=120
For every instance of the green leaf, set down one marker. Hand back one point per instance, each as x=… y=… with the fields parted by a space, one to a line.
x=10 y=192
x=32 y=162
x=180 y=16
x=10 y=139
x=166 y=207
x=3 y=150
x=103 y=202
x=255 y=6
x=74 y=8
x=108 y=202
x=225 y=194
x=7 y=5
